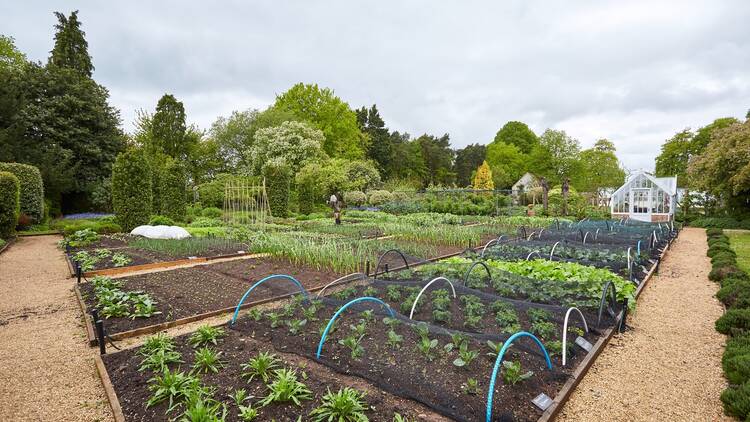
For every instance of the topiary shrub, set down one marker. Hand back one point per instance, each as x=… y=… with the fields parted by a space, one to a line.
x=206 y=222
x=355 y=198
x=31 y=194
x=131 y=189
x=379 y=197
x=736 y=359
x=305 y=194
x=714 y=250
x=278 y=178
x=723 y=256
x=737 y=401
x=173 y=188
x=160 y=220
x=10 y=189
x=734 y=322
x=718 y=239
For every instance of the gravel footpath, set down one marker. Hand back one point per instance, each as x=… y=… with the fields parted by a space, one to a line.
x=668 y=365
x=47 y=370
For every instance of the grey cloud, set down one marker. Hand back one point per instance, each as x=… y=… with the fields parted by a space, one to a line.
x=635 y=72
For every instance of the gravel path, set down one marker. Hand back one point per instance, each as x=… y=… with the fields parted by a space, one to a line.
x=47 y=371
x=668 y=365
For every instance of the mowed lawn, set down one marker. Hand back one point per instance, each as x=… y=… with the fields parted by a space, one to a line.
x=740 y=241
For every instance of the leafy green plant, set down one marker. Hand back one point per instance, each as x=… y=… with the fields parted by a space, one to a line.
x=158 y=360
x=102 y=253
x=398 y=418
x=143 y=306
x=207 y=360
x=260 y=366
x=206 y=335
x=285 y=387
x=245 y=413
x=471 y=387
x=352 y=342
x=391 y=323
x=393 y=293
x=544 y=329
x=426 y=346
x=394 y=339
x=465 y=356
x=275 y=318
x=156 y=342
x=85 y=260
x=345 y=405
x=171 y=386
x=513 y=373
x=295 y=326
x=370 y=291
x=255 y=314
x=120 y=259
x=199 y=408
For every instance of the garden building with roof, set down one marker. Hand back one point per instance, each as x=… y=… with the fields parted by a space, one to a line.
x=645 y=197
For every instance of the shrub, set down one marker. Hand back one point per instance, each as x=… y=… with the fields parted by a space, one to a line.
x=305 y=194
x=206 y=222
x=736 y=359
x=9 y=203
x=714 y=250
x=737 y=401
x=211 y=212
x=279 y=179
x=735 y=293
x=379 y=197
x=719 y=273
x=131 y=189
x=721 y=223
x=355 y=198
x=714 y=232
x=734 y=322
x=31 y=191
x=173 y=188
x=100 y=225
x=160 y=220
x=400 y=196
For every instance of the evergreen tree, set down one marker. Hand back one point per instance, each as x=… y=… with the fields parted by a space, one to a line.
x=467 y=161
x=71 y=50
x=168 y=128
x=483 y=178
x=380 y=148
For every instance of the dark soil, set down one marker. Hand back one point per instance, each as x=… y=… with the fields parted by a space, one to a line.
x=406 y=371
x=237 y=348
x=186 y=292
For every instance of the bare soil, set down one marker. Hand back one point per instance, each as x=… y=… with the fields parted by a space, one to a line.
x=668 y=365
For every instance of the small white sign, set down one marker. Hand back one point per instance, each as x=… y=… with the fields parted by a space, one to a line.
x=542 y=401
x=584 y=344
x=240 y=252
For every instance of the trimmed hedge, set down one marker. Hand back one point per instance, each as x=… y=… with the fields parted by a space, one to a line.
x=734 y=322
x=10 y=189
x=305 y=196
x=278 y=178
x=160 y=220
x=355 y=198
x=31 y=194
x=379 y=197
x=173 y=190
x=735 y=293
x=211 y=212
x=131 y=189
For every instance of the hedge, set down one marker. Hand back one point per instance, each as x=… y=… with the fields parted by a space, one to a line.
x=211 y=212
x=173 y=191
x=160 y=220
x=305 y=196
x=31 y=194
x=131 y=189
x=355 y=198
x=278 y=179
x=379 y=197
x=10 y=189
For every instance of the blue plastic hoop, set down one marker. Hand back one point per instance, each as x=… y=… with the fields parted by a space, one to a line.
x=342 y=309
x=288 y=277
x=639 y=248
x=499 y=359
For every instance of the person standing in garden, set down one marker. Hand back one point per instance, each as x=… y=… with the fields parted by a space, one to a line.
x=335 y=203
x=565 y=189
x=545 y=194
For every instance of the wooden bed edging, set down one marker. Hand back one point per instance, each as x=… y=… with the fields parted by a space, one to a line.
x=109 y=390
x=565 y=392
x=90 y=336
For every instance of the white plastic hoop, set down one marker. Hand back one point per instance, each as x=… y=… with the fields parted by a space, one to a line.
x=596 y=234
x=565 y=331
x=539 y=236
x=488 y=244
x=346 y=277
x=553 y=250
x=630 y=269
x=411 y=314
x=530 y=236
x=585 y=236
x=532 y=253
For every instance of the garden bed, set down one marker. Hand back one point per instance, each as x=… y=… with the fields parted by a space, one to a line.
x=187 y=294
x=127 y=383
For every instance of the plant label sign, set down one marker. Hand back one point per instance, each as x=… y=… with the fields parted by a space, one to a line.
x=542 y=401
x=584 y=344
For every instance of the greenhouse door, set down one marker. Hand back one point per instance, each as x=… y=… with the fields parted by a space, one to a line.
x=641 y=204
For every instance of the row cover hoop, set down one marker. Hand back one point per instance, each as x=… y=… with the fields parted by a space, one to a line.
x=270 y=277
x=565 y=331
x=342 y=309
x=413 y=306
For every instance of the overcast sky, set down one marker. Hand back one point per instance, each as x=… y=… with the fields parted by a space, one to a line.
x=634 y=72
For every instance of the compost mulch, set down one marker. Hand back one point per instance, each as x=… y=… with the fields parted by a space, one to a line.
x=186 y=292
x=237 y=348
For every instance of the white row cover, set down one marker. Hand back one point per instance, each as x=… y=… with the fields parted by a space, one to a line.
x=161 y=232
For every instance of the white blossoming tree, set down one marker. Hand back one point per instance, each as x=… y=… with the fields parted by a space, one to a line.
x=290 y=145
